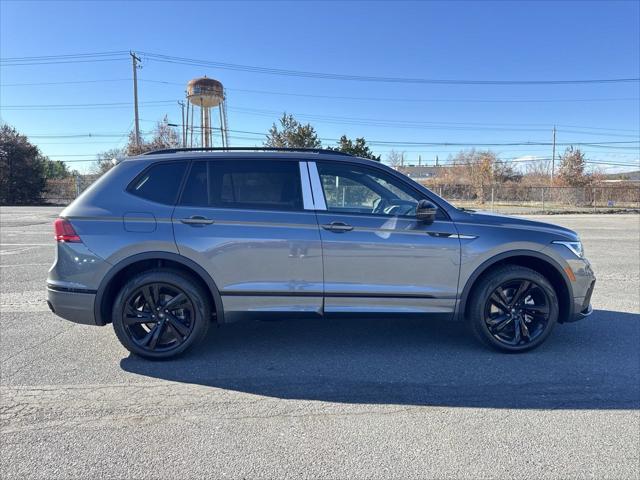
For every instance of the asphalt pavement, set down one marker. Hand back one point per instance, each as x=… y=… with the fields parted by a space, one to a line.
x=320 y=399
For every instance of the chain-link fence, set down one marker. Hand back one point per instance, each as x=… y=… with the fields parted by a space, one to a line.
x=62 y=191
x=505 y=198
x=517 y=198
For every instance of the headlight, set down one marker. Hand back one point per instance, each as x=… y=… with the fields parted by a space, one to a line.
x=575 y=247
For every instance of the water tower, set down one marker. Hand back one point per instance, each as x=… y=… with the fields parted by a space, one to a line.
x=207 y=94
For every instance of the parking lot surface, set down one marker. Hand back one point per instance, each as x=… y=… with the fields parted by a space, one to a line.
x=320 y=399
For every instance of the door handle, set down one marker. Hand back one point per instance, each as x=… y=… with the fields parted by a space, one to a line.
x=197 y=220
x=337 y=227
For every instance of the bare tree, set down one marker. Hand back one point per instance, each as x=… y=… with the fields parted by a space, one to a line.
x=572 y=168
x=105 y=160
x=395 y=159
x=163 y=136
x=482 y=169
x=537 y=172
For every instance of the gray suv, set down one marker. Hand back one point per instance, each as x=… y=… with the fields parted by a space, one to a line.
x=166 y=243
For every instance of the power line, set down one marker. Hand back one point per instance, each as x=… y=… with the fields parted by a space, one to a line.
x=365 y=78
x=122 y=55
x=3 y=65
x=332 y=118
x=344 y=97
x=80 y=135
x=79 y=106
x=598 y=144
x=416 y=125
x=69 y=82
x=57 y=59
x=436 y=100
x=70 y=55
x=411 y=100
x=468 y=144
x=340 y=120
x=474 y=144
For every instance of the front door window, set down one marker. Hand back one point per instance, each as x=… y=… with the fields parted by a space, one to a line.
x=362 y=190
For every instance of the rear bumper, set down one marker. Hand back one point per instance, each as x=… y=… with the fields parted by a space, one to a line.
x=72 y=304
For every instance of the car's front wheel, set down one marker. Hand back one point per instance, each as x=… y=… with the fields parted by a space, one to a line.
x=160 y=313
x=513 y=309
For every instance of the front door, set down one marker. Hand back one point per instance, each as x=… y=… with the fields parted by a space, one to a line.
x=245 y=222
x=377 y=256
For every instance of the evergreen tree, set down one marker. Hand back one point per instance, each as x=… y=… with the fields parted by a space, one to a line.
x=292 y=134
x=22 y=169
x=359 y=148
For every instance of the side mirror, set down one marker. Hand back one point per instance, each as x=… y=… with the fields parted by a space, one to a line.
x=426 y=211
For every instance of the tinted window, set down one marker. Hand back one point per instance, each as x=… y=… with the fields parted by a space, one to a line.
x=160 y=183
x=195 y=189
x=355 y=189
x=259 y=184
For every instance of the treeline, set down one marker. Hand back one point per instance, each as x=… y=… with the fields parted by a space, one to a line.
x=482 y=169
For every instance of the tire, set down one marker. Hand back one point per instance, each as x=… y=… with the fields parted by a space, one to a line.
x=505 y=315
x=176 y=307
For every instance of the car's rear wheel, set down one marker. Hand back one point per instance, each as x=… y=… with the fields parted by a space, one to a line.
x=513 y=309
x=160 y=313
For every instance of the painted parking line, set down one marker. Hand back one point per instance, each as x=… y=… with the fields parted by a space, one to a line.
x=27 y=244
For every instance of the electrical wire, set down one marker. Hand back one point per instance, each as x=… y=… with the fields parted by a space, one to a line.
x=340 y=97
x=123 y=55
x=597 y=144
x=364 y=78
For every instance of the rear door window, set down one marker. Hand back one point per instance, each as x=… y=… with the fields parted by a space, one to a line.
x=249 y=184
x=159 y=183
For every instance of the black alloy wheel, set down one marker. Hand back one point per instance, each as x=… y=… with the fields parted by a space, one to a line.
x=513 y=308
x=517 y=312
x=160 y=313
x=158 y=317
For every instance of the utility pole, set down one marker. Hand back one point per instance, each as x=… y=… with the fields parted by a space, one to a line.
x=184 y=130
x=553 y=154
x=134 y=62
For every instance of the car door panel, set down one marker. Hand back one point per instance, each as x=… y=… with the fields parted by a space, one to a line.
x=387 y=263
x=261 y=260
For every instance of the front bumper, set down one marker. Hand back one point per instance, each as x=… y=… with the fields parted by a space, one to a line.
x=582 y=305
x=72 y=304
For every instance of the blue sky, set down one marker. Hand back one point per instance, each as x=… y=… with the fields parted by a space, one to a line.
x=434 y=40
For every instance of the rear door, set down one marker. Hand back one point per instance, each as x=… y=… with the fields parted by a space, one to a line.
x=245 y=221
x=377 y=256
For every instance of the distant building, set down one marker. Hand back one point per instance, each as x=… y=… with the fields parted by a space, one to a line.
x=622 y=181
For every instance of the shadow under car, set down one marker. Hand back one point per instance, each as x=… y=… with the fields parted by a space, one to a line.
x=593 y=364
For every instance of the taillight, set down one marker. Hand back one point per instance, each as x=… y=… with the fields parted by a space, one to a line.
x=64 y=231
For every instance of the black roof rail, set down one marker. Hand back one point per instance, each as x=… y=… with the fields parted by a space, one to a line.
x=248 y=149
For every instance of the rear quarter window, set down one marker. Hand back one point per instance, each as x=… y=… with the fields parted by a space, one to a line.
x=159 y=183
x=249 y=184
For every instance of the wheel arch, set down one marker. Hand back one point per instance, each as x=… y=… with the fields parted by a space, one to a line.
x=113 y=281
x=537 y=261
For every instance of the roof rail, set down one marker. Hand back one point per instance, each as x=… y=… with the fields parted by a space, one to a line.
x=248 y=149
